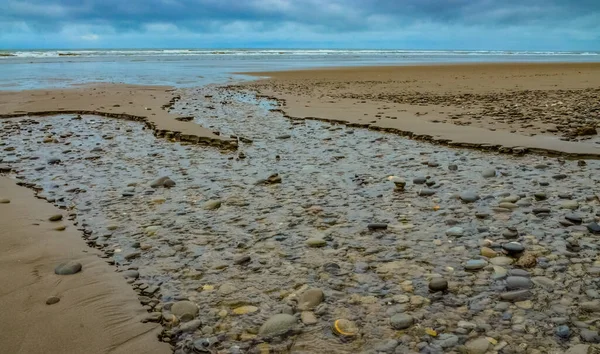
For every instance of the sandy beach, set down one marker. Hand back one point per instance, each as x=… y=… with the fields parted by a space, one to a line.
x=544 y=107
x=264 y=217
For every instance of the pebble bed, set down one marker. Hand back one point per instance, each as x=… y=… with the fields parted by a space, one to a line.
x=320 y=238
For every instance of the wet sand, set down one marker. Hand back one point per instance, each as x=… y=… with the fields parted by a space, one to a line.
x=147 y=104
x=545 y=108
x=97 y=311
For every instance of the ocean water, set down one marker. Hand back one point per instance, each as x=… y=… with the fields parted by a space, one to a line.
x=194 y=67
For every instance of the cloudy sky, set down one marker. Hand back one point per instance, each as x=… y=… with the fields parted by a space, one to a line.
x=406 y=24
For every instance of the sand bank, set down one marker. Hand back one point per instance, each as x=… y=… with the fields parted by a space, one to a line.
x=548 y=108
x=98 y=311
x=148 y=104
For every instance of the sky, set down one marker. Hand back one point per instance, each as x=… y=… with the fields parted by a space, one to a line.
x=364 y=24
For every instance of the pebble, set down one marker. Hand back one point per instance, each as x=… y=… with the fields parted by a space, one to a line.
x=589 y=336
x=377 y=226
x=68 y=268
x=516 y=295
x=316 y=242
x=243 y=310
x=563 y=331
x=469 y=197
x=401 y=321
x=310 y=299
x=478 y=346
x=438 y=284
x=514 y=283
x=590 y=306
x=52 y=300
x=594 y=228
x=212 y=204
x=426 y=192
x=4 y=201
x=184 y=310
x=513 y=247
x=579 y=349
x=501 y=261
x=277 y=325
x=475 y=264
x=308 y=318
x=56 y=217
x=455 y=231
x=489 y=173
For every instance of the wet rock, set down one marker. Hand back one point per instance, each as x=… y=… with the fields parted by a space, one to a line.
x=575 y=219
x=475 y=264
x=563 y=331
x=594 y=228
x=316 y=242
x=455 y=232
x=579 y=349
x=377 y=226
x=426 y=192
x=212 y=204
x=190 y=326
x=387 y=346
x=242 y=259
x=184 y=310
x=310 y=299
x=308 y=318
x=469 y=197
x=56 y=217
x=401 y=321
x=68 y=268
x=590 y=306
x=277 y=324
x=159 y=182
x=589 y=336
x=489 y=173
x=513 y=283
x=52 y=300
x=132 y=255
x=478 y=346
x=517 y=295
x=419 y=180
x=513 y=247
x=438 y=284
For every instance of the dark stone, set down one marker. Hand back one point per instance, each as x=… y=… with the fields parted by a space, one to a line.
x=68 y=268
x=589 y=336
x=514 y=283
x=438 y=284
x=517 y=295
x=426 y=192
x=52 y=300
x=594 y=228
x=377 y=226
x=575 y=219
x=513 y=247
x=563 y=331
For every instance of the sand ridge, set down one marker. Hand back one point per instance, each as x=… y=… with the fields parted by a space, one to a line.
x=544 y=108
x=98 y=311
x=148 y=104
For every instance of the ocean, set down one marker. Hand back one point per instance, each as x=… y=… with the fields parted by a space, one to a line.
x=194 y=67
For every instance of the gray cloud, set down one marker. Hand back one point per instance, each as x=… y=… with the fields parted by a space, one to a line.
x=318 y=16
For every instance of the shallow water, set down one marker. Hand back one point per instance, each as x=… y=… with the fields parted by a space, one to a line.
x=334 y=183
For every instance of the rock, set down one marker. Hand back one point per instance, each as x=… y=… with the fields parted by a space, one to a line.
x=575 y=219
x=452 y=167
x=52 y=300
x=508 y=205
x=169 y=183
x=541 y=210
x=308 y=317
x=243 y=310
x=488 y=252
x=475 y=264
x=315 y=242
x=570 y=204
x=345 y=328
x=540 y=196
x=184 y=310
x=455 y=232
x=387 y=346
x=399 y=182
x=310 y=299
x=501 y=261
x=401 y=321
x=4 y=201
x=517 y=295
x=419 y=180
x=544 y=282
x=131 y=274
x=5 y=168
x=489 y=173
x=469 y=197
x=527 y=260
x=594 y=228
x=242 y=259
x=513 y=247
x=212 y=204
x=446 y=340
x=60 y=228
x=56 y=217
x=190 y=326
x=579 y=349
x=513 y=283
x=590 y=306
x=68 y=268
x=159 y=182
x=53 y=161
x=438 y=284
x=426 y=192
x=277 y=324
x=132 y=255
x=377 y=226
x=589 y=336
x=586 y=130
x=478 y=346
x=563 y=331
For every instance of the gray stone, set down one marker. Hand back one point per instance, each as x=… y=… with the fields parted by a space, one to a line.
x=212 y=204
x=544 y=282
x=579 y=349
x=563 y=331
x=401 y=321
x=447 y=340
x=387 y=346
x=455 y=231
x=159 y=182
x=68 y=268
x=489 y=173
x=590 y=306
x=478 y=346
x=184 y=310
x=315 y=242
x=426 y=192
x=132 y=255
x=131 y=274
x=310 y=299
x=469 y=197
x=277 y=324
x=514 y=283
x=190 y=326
x=438 y=284
x=475 y=264
x=589 y=336
x=513 y=247
x=517 y=295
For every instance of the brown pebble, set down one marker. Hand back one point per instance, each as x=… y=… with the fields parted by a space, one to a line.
x=60 y=228
x=52 y=300
x=4 y=201
x=56 y=217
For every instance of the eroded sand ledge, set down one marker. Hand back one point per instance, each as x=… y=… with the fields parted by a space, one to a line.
x=147 y=104
x=512 y=108
x=98 y=311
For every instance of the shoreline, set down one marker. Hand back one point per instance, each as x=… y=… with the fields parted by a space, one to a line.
x=96 y=312
x=440 y=103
